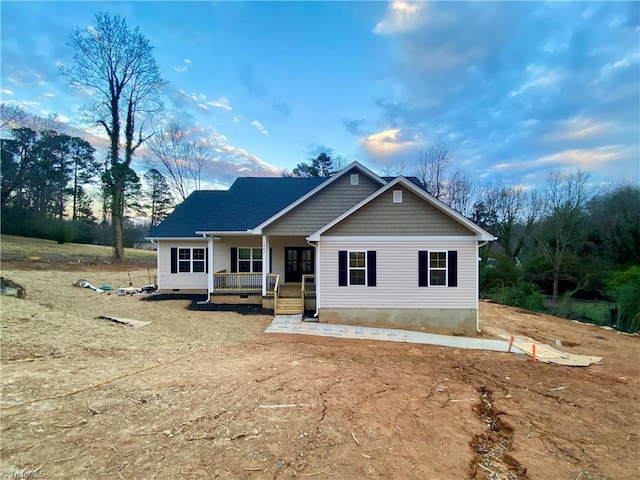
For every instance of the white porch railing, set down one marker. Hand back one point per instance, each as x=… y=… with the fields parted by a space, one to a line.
x=224 y=282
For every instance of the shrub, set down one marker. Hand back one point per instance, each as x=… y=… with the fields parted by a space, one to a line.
x=624 y=288
x=523 y=294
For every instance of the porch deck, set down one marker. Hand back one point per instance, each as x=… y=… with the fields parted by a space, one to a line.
x=285 y=299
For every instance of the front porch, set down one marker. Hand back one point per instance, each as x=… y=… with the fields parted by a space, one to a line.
x=290 y=298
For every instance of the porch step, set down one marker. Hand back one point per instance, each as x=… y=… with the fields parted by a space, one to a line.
x=289 y=306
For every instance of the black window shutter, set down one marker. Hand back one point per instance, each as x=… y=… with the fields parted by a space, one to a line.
x=423 y=268
x=342 y=268
x=270 y=260
x=174 y=260
x=371 y=268
x=234 y=260
x=452 y=268
x=206 y=261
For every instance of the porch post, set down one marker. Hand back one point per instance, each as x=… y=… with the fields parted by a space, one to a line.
x=210 y=262
x=317 y=277
x=265 y=263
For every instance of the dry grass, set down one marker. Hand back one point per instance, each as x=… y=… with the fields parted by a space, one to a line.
x=41 y=252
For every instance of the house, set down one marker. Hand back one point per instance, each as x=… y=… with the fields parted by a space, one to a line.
x=143 y=243
x=354 y=248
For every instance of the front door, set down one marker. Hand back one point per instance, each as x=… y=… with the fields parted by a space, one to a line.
x=298 y=261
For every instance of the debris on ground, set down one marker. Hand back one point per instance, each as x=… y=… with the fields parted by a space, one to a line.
x=85 y=284
x=11 y=288
x=128 y=291
x=129 y=322
x=548 y=354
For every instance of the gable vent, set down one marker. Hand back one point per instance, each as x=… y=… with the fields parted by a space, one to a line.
x=354 y=179
x=397 y=196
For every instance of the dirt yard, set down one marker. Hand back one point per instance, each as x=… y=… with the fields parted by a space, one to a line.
x=209 y=395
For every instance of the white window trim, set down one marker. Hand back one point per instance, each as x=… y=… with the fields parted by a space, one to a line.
x=397 y=196
x=250 y=259
x=192 y=260
x=446 y=268
x=349 y=268
x=355 y=179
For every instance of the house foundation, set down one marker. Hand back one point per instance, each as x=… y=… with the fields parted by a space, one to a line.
x=445 y=321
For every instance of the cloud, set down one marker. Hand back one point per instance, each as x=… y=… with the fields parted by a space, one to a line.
x=236 y=119
x=354 y=127
x=227 y=161
x=183 y=68
x=507 y=82
x=598 y=158
x=401 y=17
x=579 y=128
x=539 y=76
x=222 y=102
x=260 y=127
x=198 y=101
x=388 y=142
x=6 y=91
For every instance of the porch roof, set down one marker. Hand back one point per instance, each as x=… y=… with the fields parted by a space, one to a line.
x=248 y=202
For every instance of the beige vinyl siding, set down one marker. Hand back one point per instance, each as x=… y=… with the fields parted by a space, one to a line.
x=397 y=276
x=222 y=250
x=184 y=281
x=324 y=206
x=414 y=216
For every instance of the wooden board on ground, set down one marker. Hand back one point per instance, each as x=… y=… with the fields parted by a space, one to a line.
x=548 y=354
x=124 y=321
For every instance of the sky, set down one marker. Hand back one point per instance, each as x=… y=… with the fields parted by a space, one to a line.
x=515 y=89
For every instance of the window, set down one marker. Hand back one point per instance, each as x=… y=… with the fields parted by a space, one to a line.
x=188 y=260
x=357 y=268
x=198 y=263
x=249 y=260
x=354 y=179
x=437 y=268
x=397 y=196
x=184 y=260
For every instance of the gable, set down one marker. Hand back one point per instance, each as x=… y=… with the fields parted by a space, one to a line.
x=324 y=206
x=413 y=217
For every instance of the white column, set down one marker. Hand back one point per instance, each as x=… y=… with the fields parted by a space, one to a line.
x=265 y=263
x=210 y=261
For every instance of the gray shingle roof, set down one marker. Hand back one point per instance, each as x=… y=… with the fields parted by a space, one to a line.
x=248 y=202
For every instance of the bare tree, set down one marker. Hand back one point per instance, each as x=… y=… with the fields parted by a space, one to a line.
x=116 y=64
x=12 y=116
x=565 y=202
x=394 y=169
x=432 y=166
x=459 y=192
x=200 y=158
x=514 y=211
x=180 y=159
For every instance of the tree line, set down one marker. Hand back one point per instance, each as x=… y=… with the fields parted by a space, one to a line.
x=45 y=188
